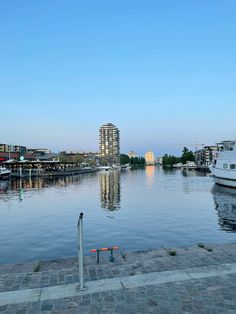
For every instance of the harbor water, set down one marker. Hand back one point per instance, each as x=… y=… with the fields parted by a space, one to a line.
x=133 y=209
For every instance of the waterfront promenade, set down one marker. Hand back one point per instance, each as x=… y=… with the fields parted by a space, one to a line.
x=183 y=280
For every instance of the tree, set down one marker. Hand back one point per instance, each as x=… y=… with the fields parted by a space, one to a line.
x=169 y=160
x=124 y=159
x=187 y=155
x=137 y=161
x=79 y=159
x=62 y=158
x=103 y=162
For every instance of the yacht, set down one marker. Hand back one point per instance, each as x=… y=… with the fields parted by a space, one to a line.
x=223 y=169
x=4 y=172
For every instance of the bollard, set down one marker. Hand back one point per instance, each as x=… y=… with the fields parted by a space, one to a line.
x=80 y=253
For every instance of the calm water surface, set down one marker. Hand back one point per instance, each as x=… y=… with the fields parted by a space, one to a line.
x=136 y=210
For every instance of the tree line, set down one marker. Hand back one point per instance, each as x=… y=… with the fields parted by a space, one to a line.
x=170 y=160
x=137 y=161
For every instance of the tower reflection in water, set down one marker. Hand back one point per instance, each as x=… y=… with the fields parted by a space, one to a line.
x=110 y=189
x=150 y=174
x=225 y=202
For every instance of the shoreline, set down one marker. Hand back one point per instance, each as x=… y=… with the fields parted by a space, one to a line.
x=29 y=266
x=14 y=176
x=197 y=279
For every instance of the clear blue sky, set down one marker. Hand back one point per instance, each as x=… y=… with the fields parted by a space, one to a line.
x=163 y=71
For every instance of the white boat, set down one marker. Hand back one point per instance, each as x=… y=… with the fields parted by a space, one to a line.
x=190 y=165
x=105 y=168
x=225 y=205
x=125 y=167
x=178 y=165
x=223 y=169
x=4 y=173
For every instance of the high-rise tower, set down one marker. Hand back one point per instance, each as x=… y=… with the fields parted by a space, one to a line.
x=109 y=143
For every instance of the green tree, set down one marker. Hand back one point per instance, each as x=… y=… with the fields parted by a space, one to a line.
x=124 y=159
x=187 y=155
x=79 y=159
x=137 y=161
x=103 y=162
x=62 y=158
x=170 y=160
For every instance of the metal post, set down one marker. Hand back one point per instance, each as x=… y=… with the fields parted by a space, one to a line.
x=80 y=253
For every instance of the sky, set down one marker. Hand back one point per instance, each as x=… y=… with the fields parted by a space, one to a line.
x=162 y=71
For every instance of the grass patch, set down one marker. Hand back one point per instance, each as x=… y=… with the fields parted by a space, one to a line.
x=172 y=252
x=37 y=268
x=202 y=246
x=209 y=249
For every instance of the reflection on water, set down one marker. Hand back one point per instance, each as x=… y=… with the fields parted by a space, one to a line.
x=194 y=173
x=159 y=208
x=40 y=183
x=3 y=185
x=22 y=186
x=110 y=189
x=150 y=173
x=225 y=202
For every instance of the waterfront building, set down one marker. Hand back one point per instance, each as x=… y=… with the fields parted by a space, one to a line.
x=132 y=154
x=8 y=152
x=7 y=148
x=109 y=144
x=150 y=158
x=205 y=156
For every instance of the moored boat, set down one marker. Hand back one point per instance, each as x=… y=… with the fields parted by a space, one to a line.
x=178 y=165
x=190 y=165
x=4 y=173
x=223 y=169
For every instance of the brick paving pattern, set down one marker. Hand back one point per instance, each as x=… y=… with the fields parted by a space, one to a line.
x=208 y=295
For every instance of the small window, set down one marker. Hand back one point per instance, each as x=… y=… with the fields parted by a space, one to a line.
x=225 y=166
x=232 y=166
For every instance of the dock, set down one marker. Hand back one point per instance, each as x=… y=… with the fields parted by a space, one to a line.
x=46 y=169
x=199 y=279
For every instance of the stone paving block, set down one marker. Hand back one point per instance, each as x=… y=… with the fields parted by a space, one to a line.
x=214 y=295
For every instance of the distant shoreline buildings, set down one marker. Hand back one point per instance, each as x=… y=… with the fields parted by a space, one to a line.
x=108 y=154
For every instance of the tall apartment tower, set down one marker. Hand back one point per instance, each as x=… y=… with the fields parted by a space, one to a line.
x=109 y=143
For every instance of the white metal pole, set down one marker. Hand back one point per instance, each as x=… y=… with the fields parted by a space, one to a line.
x=80 y=253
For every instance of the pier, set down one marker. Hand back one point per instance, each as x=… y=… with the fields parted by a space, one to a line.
x=27 y=169
x=198 y=279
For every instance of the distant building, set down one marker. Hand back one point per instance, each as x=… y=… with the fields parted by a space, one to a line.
x=132 y=154
x=48 y=157
x=8 y=151
x=150 y=158
x=6 y=148
x=109 y=143
x=205 y=156
x=159 y=160
x=39 y=151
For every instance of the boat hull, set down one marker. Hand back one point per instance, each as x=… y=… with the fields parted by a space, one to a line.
x=225 y=182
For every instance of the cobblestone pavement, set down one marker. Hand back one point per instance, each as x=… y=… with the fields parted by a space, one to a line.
x=214 y=294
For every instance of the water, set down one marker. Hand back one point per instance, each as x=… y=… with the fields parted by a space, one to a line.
x=136 y=210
